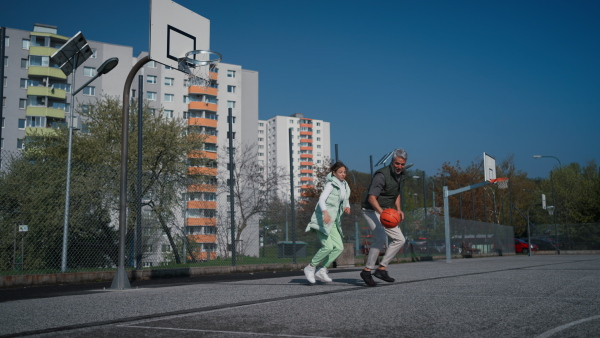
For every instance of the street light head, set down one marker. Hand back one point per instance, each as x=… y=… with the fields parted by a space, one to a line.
x=108 y=65
x=416 y=176
x=537 y=156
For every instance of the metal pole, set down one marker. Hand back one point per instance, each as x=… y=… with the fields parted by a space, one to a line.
x=2 y=52
x=138 y=214
x=447 y=225
x=63 y=265
x=371 y=162
x=120 y=281
x=336 y=152
x=231 y=180
x=528 y=234
x=293 y=207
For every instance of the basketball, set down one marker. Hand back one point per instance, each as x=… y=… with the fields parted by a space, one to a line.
x=389 y=218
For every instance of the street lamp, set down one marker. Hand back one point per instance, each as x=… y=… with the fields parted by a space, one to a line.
x=553 y=196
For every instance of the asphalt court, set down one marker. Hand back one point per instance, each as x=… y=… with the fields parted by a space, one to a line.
x=508 y=296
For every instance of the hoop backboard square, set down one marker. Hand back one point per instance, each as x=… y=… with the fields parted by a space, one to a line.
x=174 y=31
x=489 y=167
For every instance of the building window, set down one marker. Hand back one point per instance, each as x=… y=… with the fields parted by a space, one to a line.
x=231 y=89
x=151 y=96
x=169 y=97
x=230 y=104
x=20 y=143
x=21 y=123
x=22 y=103
x=152 y=64
x=168 y=114
x=26 y=43
x=89 y=90
x=151 y=79
x=318 y=131
x=89 y=71
x=6 y=41
x=229 y=134
x=5 y=82
x=6 y=61
x=169 y=81
x=24 y=63
x=186 y=99
x=232 y=119
x=37 y=60
x=231 y=73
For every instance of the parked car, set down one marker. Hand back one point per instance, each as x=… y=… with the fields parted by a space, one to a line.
x=543 y=244
x=521 y=246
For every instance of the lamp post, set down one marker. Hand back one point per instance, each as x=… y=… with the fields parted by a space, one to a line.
x=553 y=196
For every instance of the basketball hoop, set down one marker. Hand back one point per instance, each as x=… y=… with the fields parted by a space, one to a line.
x=501 y=182
x=197 y=65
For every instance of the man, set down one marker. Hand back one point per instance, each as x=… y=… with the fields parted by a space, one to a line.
x=384 y=192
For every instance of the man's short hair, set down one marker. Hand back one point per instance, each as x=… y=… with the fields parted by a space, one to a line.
x=401 y=153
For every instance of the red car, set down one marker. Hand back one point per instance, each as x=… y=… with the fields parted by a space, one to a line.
x=522 y=247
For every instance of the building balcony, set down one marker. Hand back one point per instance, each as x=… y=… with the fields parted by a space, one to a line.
x=307 y=163
x=51 y=35
x=306 y=148
x=306 y=133
x=45 y=111
x=306 y=156
x=306 y=179
x=306 y=125
x=42 y=51
x=47 y=91
x=307 y=186
x=201 y=205
x=203 y=256
x=306 y=171
x=46 y=71
x=203 y=238
x=202 y=171
x=198 y=105
x=39 y=131
x=306 y=140
x=205 y=138
x=211 y=155
x=201 y=221
x=197 y=90
x=202 y=188
x=198 y=121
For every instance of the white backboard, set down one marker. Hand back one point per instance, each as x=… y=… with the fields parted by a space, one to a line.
x=489 y=167
x=174 y=31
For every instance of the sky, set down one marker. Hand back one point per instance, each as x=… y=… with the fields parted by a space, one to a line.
x=445 y=80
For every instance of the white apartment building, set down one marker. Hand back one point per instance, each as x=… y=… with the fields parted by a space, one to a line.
x=310 y=147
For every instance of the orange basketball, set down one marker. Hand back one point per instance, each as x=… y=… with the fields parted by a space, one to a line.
x=389 y=218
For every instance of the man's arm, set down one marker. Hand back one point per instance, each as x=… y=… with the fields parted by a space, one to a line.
x=397 y=204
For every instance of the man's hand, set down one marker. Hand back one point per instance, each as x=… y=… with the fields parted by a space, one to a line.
x=401 y=215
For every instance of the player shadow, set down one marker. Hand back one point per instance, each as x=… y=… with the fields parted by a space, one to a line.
x=336 y=281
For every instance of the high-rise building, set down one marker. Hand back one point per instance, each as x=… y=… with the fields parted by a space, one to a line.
x=310 y=147
x=37 y=99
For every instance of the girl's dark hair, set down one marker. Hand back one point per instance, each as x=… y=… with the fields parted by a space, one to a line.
x=337 y=165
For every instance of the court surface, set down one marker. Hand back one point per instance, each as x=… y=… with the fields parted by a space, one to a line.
x=507 y=296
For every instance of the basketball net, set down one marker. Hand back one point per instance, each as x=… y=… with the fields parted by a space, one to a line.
x=501 y=182
x=198 y=66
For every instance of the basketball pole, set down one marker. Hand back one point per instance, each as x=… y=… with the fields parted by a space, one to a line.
x=448 y=193
x=120 y=281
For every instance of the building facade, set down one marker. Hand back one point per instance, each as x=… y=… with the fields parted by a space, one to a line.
x=37 y=99
x=310 y=147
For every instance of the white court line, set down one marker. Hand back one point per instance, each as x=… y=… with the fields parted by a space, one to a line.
x=549 y=333
x=218 y=331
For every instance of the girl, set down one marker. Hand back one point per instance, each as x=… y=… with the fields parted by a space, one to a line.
x=326 y=221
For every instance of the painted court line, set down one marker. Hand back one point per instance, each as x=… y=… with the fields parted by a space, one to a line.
x=549 y=333
x=226 y=332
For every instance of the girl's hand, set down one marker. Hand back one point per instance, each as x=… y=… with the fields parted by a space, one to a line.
x=326 y=217
x=347 y=210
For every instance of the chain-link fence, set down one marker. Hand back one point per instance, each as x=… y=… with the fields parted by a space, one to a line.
x=196 y=229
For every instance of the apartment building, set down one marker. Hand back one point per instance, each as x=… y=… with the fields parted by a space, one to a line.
x=310 y=147
x=37 y=99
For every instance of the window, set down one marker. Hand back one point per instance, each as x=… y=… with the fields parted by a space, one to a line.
x=89 y=71
x=23 y=84
x=228 y=135
x=260 y=124
x=152 y=64
x=230 y=104
x=20 y=143
x=24 y=63
x=318 y=131
x=151 y=79
x=94 y=53
x=169 y=81
x=36 y=121
x=151 y=96
x=6 y=61
x=26 y=43
x=21 y=123
x=318 y=124
x=165 y=248
x=169 y=97
x=89 y=90
x=232 y=119
x=231 y=73
x=4 y=101
x=168 y=114
x=22 y=103
x=231 y=89
x=5 y=82
x=6 y=41
x=37 y=60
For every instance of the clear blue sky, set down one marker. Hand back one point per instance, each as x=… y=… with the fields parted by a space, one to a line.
x=446 y=80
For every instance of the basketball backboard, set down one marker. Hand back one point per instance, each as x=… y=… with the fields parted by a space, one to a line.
x=489 y=167
x=175 y=31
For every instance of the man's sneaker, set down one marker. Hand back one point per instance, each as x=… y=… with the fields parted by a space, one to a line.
x=322 y=275
x=309 y=272
x=383 y=275
x=366 y=276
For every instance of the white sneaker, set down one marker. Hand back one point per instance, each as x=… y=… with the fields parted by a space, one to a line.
x=322 y=275
x=309 y=272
